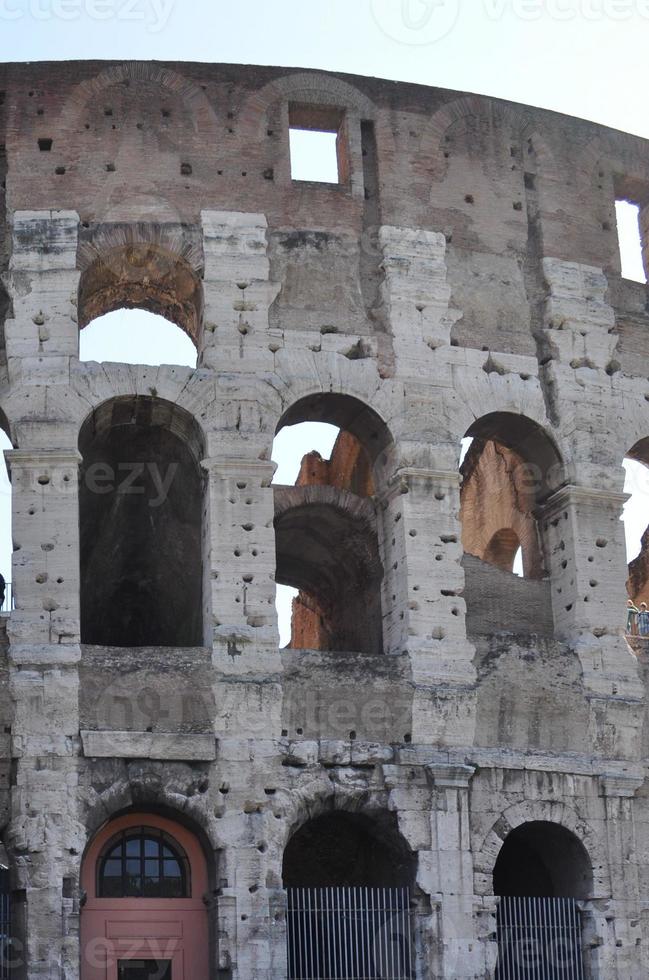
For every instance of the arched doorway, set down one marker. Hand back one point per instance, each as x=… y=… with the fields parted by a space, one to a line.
x=145 y=878
x=542 y=871
x=349 y=878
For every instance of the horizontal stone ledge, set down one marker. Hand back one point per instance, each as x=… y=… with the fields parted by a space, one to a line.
x=148 y=745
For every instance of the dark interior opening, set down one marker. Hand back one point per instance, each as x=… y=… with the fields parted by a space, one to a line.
x=543 y=860
x=140 y=509
x=349 y=849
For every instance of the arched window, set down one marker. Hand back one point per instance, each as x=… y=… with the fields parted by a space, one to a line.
x=329 y=564
x=509 y=468
x=143 y=862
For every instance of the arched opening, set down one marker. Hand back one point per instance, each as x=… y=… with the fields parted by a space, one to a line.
x=141 y=525
x=509 y=467
x=328 y=594
x=327 y=549
x=136 y=337
x=349 y=878
x=142 y=276
x=542 y=871
x=503 y=549
x=635 y=517
x=145 y=878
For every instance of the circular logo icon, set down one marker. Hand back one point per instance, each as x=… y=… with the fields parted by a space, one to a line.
x=416 y=22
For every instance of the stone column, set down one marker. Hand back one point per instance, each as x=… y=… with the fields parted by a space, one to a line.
x=414 y=298
x=242 y=579
x=45 y=573
x=238 y=293
x=44 y=833
x=615 y=950
x=586 y=557
x=43 y=282
x=433 y=578
x=452 y=867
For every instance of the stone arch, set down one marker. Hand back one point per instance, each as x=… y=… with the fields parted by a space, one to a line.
x=152 y=786
x=529 y=440
x=181 y=386
x=496 y=388
x=486 y=852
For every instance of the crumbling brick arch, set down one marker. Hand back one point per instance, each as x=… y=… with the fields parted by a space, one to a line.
x=327 y=548
x=154 y=268
x=143 y=541
x=502 y=548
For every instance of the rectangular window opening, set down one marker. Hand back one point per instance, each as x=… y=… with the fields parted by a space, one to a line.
x=316 y=144
x=630 y=240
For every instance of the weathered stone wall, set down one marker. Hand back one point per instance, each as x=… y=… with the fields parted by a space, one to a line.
x=465 y=268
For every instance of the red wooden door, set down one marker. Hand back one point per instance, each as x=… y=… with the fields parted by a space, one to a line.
x=129 y=932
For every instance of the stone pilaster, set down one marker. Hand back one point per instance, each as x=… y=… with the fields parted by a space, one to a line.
x=45 y=575
x=238 y=293
x=415 y=297
x=43 y=281
x=242 y=582
x=452 y=866
x=441 y=655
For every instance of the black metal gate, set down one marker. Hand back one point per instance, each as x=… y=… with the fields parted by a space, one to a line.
x=539 y=939
x=349 y=934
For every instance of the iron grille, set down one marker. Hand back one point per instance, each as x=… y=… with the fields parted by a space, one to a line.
x=349 y=934
x=539 y=939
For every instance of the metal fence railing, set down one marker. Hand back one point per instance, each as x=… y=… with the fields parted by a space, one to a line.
x=349 y=934
x=539 y=939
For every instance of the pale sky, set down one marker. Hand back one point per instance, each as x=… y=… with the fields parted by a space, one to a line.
x=582 y=57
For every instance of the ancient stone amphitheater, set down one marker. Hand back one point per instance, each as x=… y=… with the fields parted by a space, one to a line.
x=444 y=774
